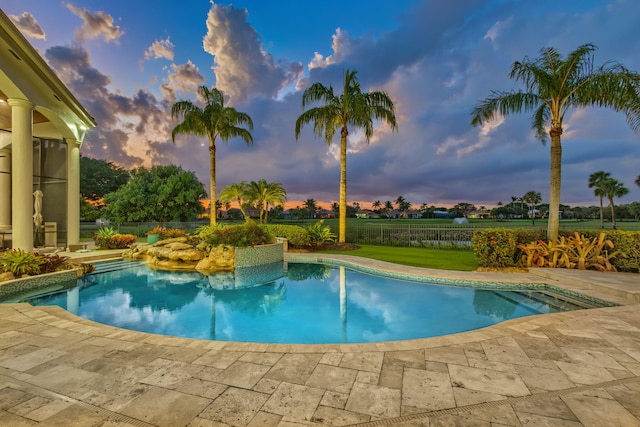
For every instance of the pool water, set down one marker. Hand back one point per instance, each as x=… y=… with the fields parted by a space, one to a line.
x=294 y=303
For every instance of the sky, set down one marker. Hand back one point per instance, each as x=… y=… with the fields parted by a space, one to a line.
x=127 y=63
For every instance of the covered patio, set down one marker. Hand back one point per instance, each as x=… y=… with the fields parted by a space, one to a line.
x=42 y=126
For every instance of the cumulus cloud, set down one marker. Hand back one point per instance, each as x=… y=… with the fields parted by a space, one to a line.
x=340 y=47
x=183 y=78
x=28 y=25
x=241 y=67
x=125 y=123
x=96 y=25
x=160 y=49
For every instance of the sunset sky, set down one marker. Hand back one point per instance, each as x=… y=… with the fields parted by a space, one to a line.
x=129 y=61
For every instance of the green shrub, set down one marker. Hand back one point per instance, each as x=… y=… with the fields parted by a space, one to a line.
x=20 y=263
x=627 y=242
x=495 y=247
x=247 y=234
x=167 y=233
x=297 y=237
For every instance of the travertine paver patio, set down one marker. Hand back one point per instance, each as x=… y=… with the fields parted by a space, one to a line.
x=565 y=369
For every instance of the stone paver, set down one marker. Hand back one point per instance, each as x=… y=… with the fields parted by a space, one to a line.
x=578 y=368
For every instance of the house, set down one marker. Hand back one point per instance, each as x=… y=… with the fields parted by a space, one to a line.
x=366 y=214
x=42 y=127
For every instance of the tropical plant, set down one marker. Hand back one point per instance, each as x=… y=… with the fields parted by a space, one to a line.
x=320 y=234
x=213 y=120
x=237 y=192
x=613 y=188
x=312 y=206
x=353 y=108
x=20 y=263
x=532 y=198
x=553 y=86
x=297 y=237
x=376 y=205
x=108 y=238
x=595 y=182
x=51 y=262
x=575 y=251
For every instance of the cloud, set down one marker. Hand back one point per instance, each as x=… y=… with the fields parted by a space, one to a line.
x=125 y=124
x=340 y=47
x=28 y=25
x=160 y=49
x=184 y=78
x=96 y=25
x=241 y=67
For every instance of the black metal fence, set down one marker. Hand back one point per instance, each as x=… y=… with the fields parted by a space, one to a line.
x=412 y=235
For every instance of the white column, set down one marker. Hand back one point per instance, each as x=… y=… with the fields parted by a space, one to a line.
x=73 y=192
x=22 y=173
x=5 y=189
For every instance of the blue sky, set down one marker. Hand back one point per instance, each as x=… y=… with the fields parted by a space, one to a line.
x=127 y=63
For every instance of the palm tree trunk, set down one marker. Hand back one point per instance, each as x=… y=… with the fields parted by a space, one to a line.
x=613 y=213
x=601 y=215
x=555 y=179
x=212 y=183
x=342 y=222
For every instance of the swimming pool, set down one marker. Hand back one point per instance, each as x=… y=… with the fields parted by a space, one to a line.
x=292 y=303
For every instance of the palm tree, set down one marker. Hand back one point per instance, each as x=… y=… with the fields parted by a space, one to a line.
x=532 y=198
x=236 y=192
x=595 y=181
x=638 y=181
x=312 y=206
x=376 y=205
x=553 y=86
x=275 y=195
x=263 y=193
x=213 y=121
x=352 y=108
x=613 y=188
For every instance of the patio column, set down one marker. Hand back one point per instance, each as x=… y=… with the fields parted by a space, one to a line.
x=73 y=192
x=22 y=173
x=5 y=189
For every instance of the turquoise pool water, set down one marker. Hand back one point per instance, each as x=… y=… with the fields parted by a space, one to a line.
x=298 y=303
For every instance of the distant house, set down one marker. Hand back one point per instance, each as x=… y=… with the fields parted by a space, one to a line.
x=324 y=213
x=367 y=214
x=478 y=214
x=443 y=214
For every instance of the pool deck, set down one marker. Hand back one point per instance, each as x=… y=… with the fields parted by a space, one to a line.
x=579 y=368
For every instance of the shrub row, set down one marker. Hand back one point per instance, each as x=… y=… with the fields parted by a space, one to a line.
x=498 y=247
x=21 y=263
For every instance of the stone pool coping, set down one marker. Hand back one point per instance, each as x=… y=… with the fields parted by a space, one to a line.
x=573 y=368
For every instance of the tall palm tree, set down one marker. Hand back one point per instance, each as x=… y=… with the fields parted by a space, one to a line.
x=532 y=198
x=376 y=205
x=214 y=121
x=638 y=181
x=595 y=181
x=236 y=192
x=353 y=108
x=613 y=188
x=554 y=85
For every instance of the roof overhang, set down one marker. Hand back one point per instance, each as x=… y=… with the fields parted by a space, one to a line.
x=24 y=74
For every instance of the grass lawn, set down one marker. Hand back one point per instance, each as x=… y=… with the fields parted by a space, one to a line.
x=418 y=257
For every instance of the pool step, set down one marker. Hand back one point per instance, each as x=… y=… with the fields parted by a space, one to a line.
x=103 y=267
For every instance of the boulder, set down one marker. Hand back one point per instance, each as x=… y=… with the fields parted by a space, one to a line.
x=221 y=258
